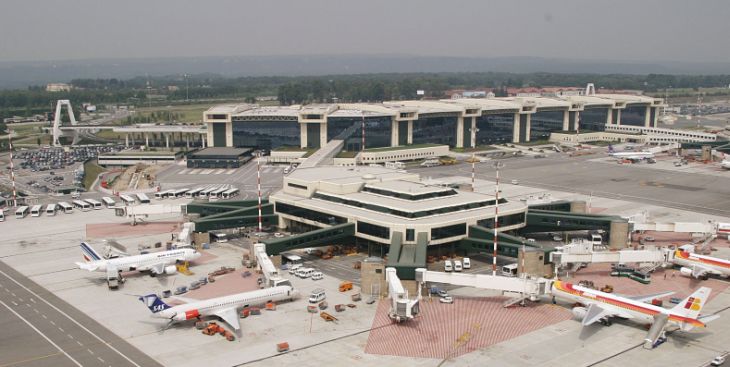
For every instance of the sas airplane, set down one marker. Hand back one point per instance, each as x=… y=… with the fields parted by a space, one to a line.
x=699 y=266
x=157 y=263
x=602 y=307
x=223 y=307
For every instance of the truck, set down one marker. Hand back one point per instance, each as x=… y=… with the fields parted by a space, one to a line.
x=114 y=280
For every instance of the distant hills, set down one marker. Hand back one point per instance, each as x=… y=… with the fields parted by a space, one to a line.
x=23 y=74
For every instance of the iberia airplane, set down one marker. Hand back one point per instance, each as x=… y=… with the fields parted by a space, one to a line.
x=601 y=306
x=699 y=266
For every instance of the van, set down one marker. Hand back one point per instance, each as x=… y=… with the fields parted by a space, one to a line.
x=305 y=272
x=448 y=266
x=467 y=263
x=317 y=275
x=457 y=265
x=317 y=295
x=293 y=269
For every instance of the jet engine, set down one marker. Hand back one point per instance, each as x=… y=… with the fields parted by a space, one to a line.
x=169 y=270
x=685 y=271
x=579 y=313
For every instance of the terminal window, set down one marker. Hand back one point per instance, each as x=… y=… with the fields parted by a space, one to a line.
x=448 y=231
x=373 y=230
x=410 y=234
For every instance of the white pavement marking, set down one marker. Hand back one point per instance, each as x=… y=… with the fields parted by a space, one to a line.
x=183 y=172
x=230 y=171
x=12 y=294
x=70 y=336
x=53 y=323
x=43 y=335
x=14 y=304
x=44 y=316
x=101 y=360
x=90 y=352
x=79 y=343
x=59 y=328
x=72 y=319
x=32 y=300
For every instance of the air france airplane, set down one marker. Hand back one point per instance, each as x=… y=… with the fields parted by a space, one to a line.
x=156 y=263
x=223 y=307
x=601 y=306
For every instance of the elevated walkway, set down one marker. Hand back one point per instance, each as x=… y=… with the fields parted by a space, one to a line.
x=231 y=214
x=583 y=253
x=210 y=208
x=324 y=155
x=318 y=237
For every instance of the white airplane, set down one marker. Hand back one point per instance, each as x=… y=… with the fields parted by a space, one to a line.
x=699 y=266
x=602 y=307
x=225 y=307
x=162 y=262
x=725 y=164
x=633 y=156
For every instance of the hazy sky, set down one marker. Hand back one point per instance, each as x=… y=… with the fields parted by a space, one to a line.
x=642 y=30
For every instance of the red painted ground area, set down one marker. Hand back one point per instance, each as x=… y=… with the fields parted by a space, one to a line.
x=106 y=230
x=683 y=286
x=448 y=330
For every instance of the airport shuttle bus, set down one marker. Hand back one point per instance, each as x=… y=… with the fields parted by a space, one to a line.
x=81 y=205
x=179 y=193
x=205 y=193
x=51 y=210
x=230 y=193
x=21 y=212
x=96 y=204
x=109 y=202
x=143 y=198
x=193 y=193
x=66 y=207
x=162 y=194
x=128 y=200
x=36 y=210
x=217 y=193
x=2 y=215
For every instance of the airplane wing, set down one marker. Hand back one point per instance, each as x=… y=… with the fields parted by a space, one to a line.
x=647 y=297
x=157 y=268
x=699 y=271
x=594 y=313
x=229 y=316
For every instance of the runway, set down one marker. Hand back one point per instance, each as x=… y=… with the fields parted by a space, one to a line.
x=40 y=329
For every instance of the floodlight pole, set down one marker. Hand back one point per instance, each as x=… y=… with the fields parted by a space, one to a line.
x=362 y=143
x=473 y=157
x=258 y=184
x=12 y=168
x=497 y=166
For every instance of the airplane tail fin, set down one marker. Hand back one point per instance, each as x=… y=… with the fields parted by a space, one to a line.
x=89 y=253
x=690 y=308
x=154 y=303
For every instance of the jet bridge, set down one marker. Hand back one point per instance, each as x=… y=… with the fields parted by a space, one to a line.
x=525 y=287
x=271 y=276
x=582 y=252
x=402 y=308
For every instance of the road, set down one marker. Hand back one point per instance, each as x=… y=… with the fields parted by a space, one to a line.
x=39 y=329
x=700 y=193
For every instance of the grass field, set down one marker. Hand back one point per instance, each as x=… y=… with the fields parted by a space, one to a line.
x=91 y=172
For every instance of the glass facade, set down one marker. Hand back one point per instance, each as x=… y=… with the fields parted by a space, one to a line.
x=543 y=123
x=633 y=115
x=403 y=133
x=435 y=130
x=593 y=119
x=313 y=131
x=265 y=134
x=373 y=230
x=309 y=214
x=410 y=235
x=494 y=129
x=377 y=131
x=448 y=231
x=219 y=135
x=407 y=196
x=504 y=220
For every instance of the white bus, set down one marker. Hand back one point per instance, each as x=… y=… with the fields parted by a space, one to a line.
x=96 y=204
x=205 y=193
x=36 y=210
x=179 y=193
x=128 y=200
x=66 y=207
x=217 y=193
x=2 y=215
x=51 y=210
x=81 y=205
x=21 y=212
x=230 y=193
x=193 y=193
x=109 y=202
x=162 y=194
x=143 y=198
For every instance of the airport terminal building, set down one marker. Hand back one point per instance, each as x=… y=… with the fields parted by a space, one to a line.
x=388 y=206
x=457 y=123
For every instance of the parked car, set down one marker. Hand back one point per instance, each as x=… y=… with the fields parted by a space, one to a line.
x=447 y=299
x=718 y=361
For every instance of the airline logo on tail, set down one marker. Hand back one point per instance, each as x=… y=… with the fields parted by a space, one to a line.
x=154 y=303
x=88 y=253
x=694 y=304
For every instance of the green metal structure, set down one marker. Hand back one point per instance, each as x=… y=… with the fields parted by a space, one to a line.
x=550 y=221
x=406 y=258
x=318 y=237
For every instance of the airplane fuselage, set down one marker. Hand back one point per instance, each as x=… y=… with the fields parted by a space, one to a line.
x=713 y=264
x=638 y=311
x=144 y=262
x=211 y=306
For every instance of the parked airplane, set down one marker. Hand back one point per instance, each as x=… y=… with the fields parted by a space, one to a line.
x=699 y=266
x=725 y=164
x=633 y=156
x=602 y=307
x=156 y=263
x=223 y=307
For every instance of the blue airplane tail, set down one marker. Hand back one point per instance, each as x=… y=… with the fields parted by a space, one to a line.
x=89 y=253
x=154 y=303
